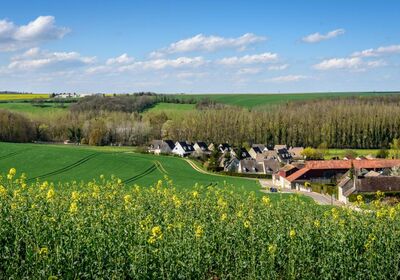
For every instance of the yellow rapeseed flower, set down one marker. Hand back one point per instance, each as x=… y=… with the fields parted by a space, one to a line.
x=266 y=200
x=50 y=194
x=43 y=251
x=272 y=248
x=292 y=233
x=199 y=231
x=156 y=233
x=392 y=213
x=195 y=194
x=75 y=195
x=12 y=172
x=359 y=198
x=3 y=191
x=224 y=216
x=247 y=224
x=73 y=208
x=317 y=224
x=176 y=201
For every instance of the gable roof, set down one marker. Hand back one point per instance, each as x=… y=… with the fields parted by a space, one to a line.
x=280 y=146
x=203 y=146
x=185 y=146
x=257 y=150
x=241 y=153
x=343 y=165
x=169 y=143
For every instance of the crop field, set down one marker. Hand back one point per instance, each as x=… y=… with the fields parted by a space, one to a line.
x=171 y=109
x=252 y=100
x=59 y=163
x=102 y=230
x=22 y=96
x=34 y=110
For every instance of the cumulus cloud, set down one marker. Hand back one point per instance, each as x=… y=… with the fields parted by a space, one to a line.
x=384 y=50
x=249 y=71
x=339 y=63
x=122 y=59
x=288 y=78
x=278 y=67
x=125 y=63
x=37 y=59
x=43 y=28
x=211 y=43
x=249 y=59
x=317 y=37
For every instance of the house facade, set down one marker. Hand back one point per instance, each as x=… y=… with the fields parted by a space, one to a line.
x=183 y=149
x=161 y=147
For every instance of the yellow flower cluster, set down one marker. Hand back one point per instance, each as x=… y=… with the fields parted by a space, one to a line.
x=156 y=233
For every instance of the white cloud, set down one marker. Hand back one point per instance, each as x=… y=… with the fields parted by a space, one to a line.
x=35 y=58
x=211 y=43
x=339 y=63
x=249 y=59
x=43 y=28
x=122 y=59
x=287 y=79
x=385 y=50
x=317 y=37
x=278 y=67
x=249 y=71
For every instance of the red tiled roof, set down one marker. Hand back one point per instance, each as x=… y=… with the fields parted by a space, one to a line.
x=346 y=164
x=297 y=174
x=343 y=164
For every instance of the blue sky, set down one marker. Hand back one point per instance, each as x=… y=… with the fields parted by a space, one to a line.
x=199 y=46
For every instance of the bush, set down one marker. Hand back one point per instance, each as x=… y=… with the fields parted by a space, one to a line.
x=15 y=127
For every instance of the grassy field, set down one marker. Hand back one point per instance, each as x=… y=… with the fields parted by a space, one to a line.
x=59 y=163
x=252 y=100
x=22 y=96
x=341 y=152
x=33 y=110
x=172 y=110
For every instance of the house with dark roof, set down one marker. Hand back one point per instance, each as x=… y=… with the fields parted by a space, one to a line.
x=329 y=171
x=183 y=149
x=250 y=165
x=257 y=149
x=240 y=153
x=161 y=147
x=224 y=147
x=201 y=148
x=284 y=156
x=232 y=165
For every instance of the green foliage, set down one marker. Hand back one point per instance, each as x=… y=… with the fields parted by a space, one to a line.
x=395 y=149
x=103 y=230
x=312 y=154
x=382 y=153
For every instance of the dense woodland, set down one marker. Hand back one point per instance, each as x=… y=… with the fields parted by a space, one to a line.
x=368 y=122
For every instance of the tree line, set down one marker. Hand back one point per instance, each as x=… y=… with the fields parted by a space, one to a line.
x=368 y=122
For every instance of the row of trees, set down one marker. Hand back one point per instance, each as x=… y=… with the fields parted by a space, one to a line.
x=341 y=123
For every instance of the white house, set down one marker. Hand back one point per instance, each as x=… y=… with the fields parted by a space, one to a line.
x=201 y=148
x=161 y=147
x=183 y=149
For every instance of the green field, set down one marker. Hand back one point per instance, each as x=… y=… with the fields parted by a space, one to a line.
x=171 y=109
x=341 y=152
x=34 y=110
x=59 y=163
x=22 y=96
x=252 y=100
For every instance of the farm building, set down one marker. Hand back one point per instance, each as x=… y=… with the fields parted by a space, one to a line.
x=369 y=183
x=330 y=170
x=183 y=149
x=161 y=147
